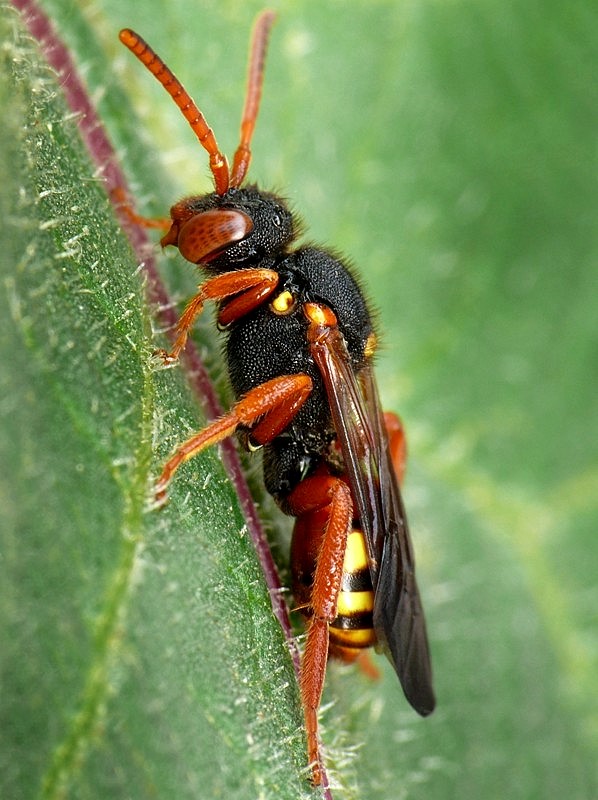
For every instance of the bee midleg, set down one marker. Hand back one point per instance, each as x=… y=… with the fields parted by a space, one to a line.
x=317 y=495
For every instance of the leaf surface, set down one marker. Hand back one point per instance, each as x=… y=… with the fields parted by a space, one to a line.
x=449 y=151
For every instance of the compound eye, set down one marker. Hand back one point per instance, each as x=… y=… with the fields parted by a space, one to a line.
x=206 y=235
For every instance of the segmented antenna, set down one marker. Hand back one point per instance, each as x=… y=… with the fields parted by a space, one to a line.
x=255 y=81
x=218 y=162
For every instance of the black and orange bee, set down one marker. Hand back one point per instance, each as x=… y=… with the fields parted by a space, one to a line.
x=300 y=347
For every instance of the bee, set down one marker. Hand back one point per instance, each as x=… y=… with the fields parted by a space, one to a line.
x=300 y=344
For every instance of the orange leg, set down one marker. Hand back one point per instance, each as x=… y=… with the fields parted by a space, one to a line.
x=367 y=666
x=398 y=443
x=251 y=286
x=313 y=495
x=274 y=403
x=123 y=204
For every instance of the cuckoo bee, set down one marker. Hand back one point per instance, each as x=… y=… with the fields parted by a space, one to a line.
x=299 y=348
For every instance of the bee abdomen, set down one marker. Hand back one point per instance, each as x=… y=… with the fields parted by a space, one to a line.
x=352 y=629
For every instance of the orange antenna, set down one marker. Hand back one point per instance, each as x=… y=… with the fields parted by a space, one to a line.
x=255 y=80
x=197 y=121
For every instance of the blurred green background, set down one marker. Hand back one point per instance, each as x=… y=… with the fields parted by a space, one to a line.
x=449 y=150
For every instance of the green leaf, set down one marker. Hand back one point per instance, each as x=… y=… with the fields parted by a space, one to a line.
x=140 y=653
x=449 y=150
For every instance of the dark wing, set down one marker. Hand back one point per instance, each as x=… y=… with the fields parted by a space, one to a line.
x=398 y=615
